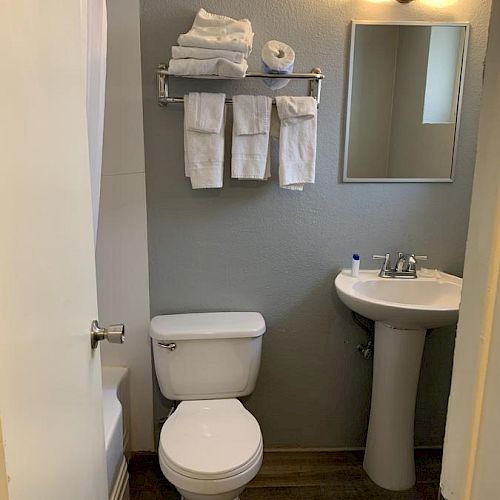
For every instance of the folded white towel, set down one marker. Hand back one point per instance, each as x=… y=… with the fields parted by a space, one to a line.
x=212 y=31
x=204 y=67
x=198 y=53
x=297 y=141
x=204 y=148
x=250 y=149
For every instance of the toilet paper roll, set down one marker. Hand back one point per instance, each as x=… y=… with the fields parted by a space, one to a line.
x=278 y=58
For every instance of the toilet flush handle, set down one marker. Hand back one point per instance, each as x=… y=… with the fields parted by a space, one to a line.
x=114 y=334
x=170 y=346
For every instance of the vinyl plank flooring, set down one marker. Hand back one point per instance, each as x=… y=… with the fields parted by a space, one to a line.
x=302 y=475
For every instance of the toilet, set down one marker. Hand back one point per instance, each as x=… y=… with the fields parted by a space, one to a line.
x=211 y=446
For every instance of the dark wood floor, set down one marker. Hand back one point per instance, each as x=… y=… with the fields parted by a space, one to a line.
x=294 y=475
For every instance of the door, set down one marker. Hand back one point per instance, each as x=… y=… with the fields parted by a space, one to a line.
x=50 y=385
x=472 y=439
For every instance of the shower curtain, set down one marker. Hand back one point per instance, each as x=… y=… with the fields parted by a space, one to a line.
x=95 y=33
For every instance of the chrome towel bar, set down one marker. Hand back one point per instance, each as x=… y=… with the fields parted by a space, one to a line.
x=314 y=77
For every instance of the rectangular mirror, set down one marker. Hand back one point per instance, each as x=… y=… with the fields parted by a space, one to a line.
x=403 y=110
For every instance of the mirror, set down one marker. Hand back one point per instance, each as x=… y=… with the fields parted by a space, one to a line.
x=403 y=111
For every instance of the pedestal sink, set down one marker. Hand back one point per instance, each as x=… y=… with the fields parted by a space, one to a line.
x=403 y=310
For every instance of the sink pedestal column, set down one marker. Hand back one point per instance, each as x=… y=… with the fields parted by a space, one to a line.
x=389 y=456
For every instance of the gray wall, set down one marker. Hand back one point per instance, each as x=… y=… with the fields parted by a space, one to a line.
x=254 y=246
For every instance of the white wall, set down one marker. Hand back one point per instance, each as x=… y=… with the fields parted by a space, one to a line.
x=470 y=461
x=443 y=74
x=122 y=260
x=96 y=82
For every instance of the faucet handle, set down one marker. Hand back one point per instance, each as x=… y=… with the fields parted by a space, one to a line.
x=386 y=258
x=412 y=263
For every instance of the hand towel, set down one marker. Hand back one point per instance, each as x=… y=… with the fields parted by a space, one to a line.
x=297 y=141
x=212 y=31
x=278 y=58
x=252 y=114
x=207 y=67
x=198 y=53
x=250 y=148
x=205 y=112
x=204 y=120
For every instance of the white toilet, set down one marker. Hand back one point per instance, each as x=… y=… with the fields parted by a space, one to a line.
x=210 y=446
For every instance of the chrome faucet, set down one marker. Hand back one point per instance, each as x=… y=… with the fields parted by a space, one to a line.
x=405 y=267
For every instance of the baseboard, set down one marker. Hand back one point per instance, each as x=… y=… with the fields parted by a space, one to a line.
x=359 y=448
x=310 y=450
x=120 y=489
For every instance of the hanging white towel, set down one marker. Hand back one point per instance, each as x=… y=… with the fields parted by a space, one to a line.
x=204 y=120
x=297 y=141
x=205 y=112
x=199 y=53
x=250 y=149
x=212 y=31
x=208 y=67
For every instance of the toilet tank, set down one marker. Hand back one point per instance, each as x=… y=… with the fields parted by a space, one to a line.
x=207 y=355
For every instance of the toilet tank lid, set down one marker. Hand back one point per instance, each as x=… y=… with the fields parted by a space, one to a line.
x=196 y=326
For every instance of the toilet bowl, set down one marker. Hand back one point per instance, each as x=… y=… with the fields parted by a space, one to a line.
x=210 y=449
x=210 y=446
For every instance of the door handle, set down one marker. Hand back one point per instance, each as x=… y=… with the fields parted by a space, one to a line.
x=114 y=334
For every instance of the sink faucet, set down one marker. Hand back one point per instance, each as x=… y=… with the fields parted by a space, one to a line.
x=405 y=267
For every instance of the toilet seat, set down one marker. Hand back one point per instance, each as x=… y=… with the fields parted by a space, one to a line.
x=210 y=440
x=229 y=487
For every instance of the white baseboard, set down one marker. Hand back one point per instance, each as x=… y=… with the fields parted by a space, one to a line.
x=120 y=489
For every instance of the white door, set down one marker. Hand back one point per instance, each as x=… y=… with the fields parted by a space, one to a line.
x=50 y=383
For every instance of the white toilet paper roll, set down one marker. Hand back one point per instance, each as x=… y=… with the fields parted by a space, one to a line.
x=277 y=57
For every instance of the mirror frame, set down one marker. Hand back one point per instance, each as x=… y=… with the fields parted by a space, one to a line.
x=451 y=178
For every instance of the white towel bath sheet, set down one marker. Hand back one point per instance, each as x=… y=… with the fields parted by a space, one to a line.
x=212 y=31
x=208 y=67
x=250 y=149
x=297 y=155
x=199 y=53
x=204 y=121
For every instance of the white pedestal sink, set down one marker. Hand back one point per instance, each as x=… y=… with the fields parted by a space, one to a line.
x=403 y=310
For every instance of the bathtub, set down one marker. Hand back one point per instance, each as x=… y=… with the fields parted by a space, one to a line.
x=116 y=412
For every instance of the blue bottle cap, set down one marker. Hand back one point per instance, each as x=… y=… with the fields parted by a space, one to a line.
x=355 y=256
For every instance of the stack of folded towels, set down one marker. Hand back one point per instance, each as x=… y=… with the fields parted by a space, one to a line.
x=215 y=46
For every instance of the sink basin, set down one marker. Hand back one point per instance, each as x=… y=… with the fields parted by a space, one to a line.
x=403 y=311
x=429 y=301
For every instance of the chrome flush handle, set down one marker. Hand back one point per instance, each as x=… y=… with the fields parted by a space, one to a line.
x=171 y=346
x=114 y=334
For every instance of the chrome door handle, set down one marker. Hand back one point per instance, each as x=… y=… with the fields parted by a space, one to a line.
x=114 y=334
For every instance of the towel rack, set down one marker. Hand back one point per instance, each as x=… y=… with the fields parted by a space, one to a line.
x=314 y=77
